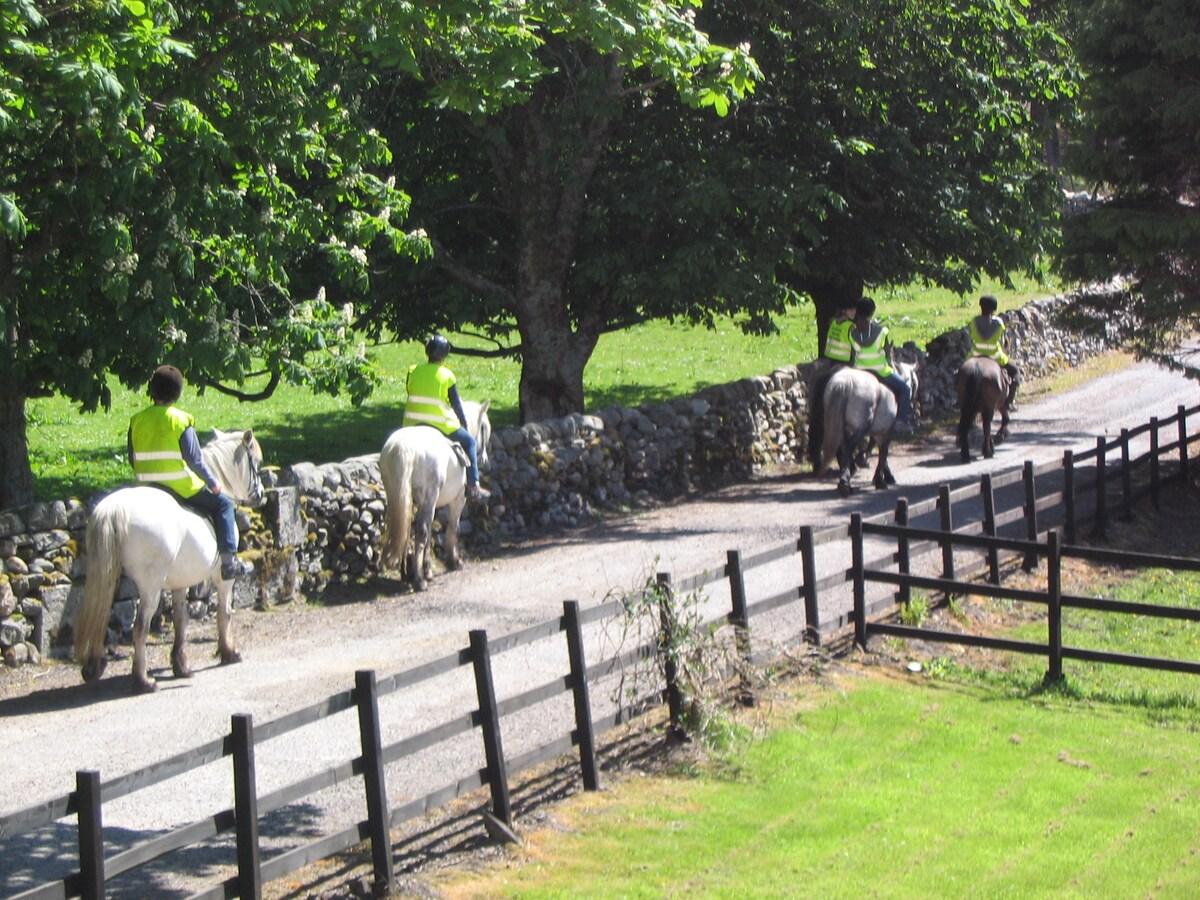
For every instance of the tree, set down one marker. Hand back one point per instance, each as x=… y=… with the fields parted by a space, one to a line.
x=909 y=124
x=884 y=143
x=167 y=167
x=1138 y=151
x=507 y=181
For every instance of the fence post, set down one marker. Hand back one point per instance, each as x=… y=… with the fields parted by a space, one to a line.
x=903 y=563
x=989 y=526
x=1100 y=528
x=948 y=528
x=808 y=563
x=489 y=721
x=1054 y=616
x=91 y=834
x=666 y=650
x=366 y=695
x=1031 y=525
x=1069 y=493
x=583 y=702
x=1154 y=498
x=860 y=592
x=1183 y=443
x=1126 y=479
x=245 y=807
x=740 y=620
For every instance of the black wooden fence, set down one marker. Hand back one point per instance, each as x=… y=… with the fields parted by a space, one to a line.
x=822 y=617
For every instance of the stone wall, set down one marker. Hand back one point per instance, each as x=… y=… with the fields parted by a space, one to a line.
x=324 y=523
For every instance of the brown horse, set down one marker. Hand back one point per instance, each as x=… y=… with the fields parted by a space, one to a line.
x=982 y=390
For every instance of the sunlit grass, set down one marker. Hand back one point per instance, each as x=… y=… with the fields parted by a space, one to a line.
x=76 y=454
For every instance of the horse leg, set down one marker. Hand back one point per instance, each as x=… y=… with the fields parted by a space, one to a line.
x=142 y=682
x=883 y=472
x=419 y=562
x=1002 y=434
x=226 y=651
x=453 y=514
x=989 y=449
x=179 y=617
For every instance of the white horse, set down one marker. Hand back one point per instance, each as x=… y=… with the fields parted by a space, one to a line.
x=162 y=545
x=858 y=405
x=422 y=471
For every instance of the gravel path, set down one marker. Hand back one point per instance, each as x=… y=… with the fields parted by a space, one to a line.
x=51 y=725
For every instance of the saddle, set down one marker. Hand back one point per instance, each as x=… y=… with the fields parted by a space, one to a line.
x=460 y=453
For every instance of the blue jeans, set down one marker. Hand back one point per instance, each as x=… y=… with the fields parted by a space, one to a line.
x=900 y=388
x=219 y=508
x=463 y=437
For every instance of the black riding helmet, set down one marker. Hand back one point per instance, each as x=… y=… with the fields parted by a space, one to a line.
x=166 y=384
x=437 y=348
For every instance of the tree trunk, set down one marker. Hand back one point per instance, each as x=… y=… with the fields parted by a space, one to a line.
x=553 y=355
x=16 y=475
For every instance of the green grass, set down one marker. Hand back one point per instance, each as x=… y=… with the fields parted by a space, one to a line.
x=1161 y=697
x=75 y=455
x=896 y=789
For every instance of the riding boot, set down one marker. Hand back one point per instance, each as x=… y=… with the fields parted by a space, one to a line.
x=477 y=492
x=233 y=567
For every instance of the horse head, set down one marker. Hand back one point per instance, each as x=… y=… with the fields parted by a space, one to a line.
x=234 y=458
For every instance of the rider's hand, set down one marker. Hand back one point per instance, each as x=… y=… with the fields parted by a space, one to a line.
x=216 y=488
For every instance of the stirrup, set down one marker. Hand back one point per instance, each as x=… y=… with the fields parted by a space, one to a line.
x=477 y=492
x=235 y=567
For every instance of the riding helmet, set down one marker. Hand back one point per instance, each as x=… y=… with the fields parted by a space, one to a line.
x=166 y=384
x=437 y=348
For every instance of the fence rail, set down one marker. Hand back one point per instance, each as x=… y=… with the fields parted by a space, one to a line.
x=85 y=802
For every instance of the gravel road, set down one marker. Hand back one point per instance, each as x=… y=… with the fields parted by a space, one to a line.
x=51 y=725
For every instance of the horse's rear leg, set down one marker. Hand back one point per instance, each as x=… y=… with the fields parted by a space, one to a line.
x=179 y=617
x=883 y=472
x=419 y=562
x=989 y=449
x=226 y=651
x=453 y=514
x=146 y=607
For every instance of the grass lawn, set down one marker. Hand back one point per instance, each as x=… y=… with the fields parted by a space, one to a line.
x=75 y=455
x=892 y=787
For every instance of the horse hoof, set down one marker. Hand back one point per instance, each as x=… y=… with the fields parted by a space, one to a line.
x=965 y=456
x=93 y=669
x=881 y=485
x=146 y=686
x=843 y=489
x=229 y=657
x=181 y=671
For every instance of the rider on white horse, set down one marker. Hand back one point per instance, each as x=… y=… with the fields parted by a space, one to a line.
x=987 y=339
x=164 y=452
x=433 y=400
x=872 y=351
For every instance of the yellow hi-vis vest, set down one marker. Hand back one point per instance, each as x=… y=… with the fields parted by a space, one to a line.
x=873 y=356
x=154 y=435
x=429 y=398
x=991 y=346
x=838 y=345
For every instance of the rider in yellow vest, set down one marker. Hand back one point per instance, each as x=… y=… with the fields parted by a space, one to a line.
x=838 y=352
x=872 y=351
x=433 y=400
x=164 y=451
x=987 y=339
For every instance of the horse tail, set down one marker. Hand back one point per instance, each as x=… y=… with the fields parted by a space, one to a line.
x=834 y=425
x=103 y=542
x=396 y=471
x=969 y=396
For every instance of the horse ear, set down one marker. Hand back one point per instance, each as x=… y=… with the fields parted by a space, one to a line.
x=248 y=437
x=218 y=434
x=485 y=406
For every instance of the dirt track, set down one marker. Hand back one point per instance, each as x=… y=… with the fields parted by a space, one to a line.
x=53 y=725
